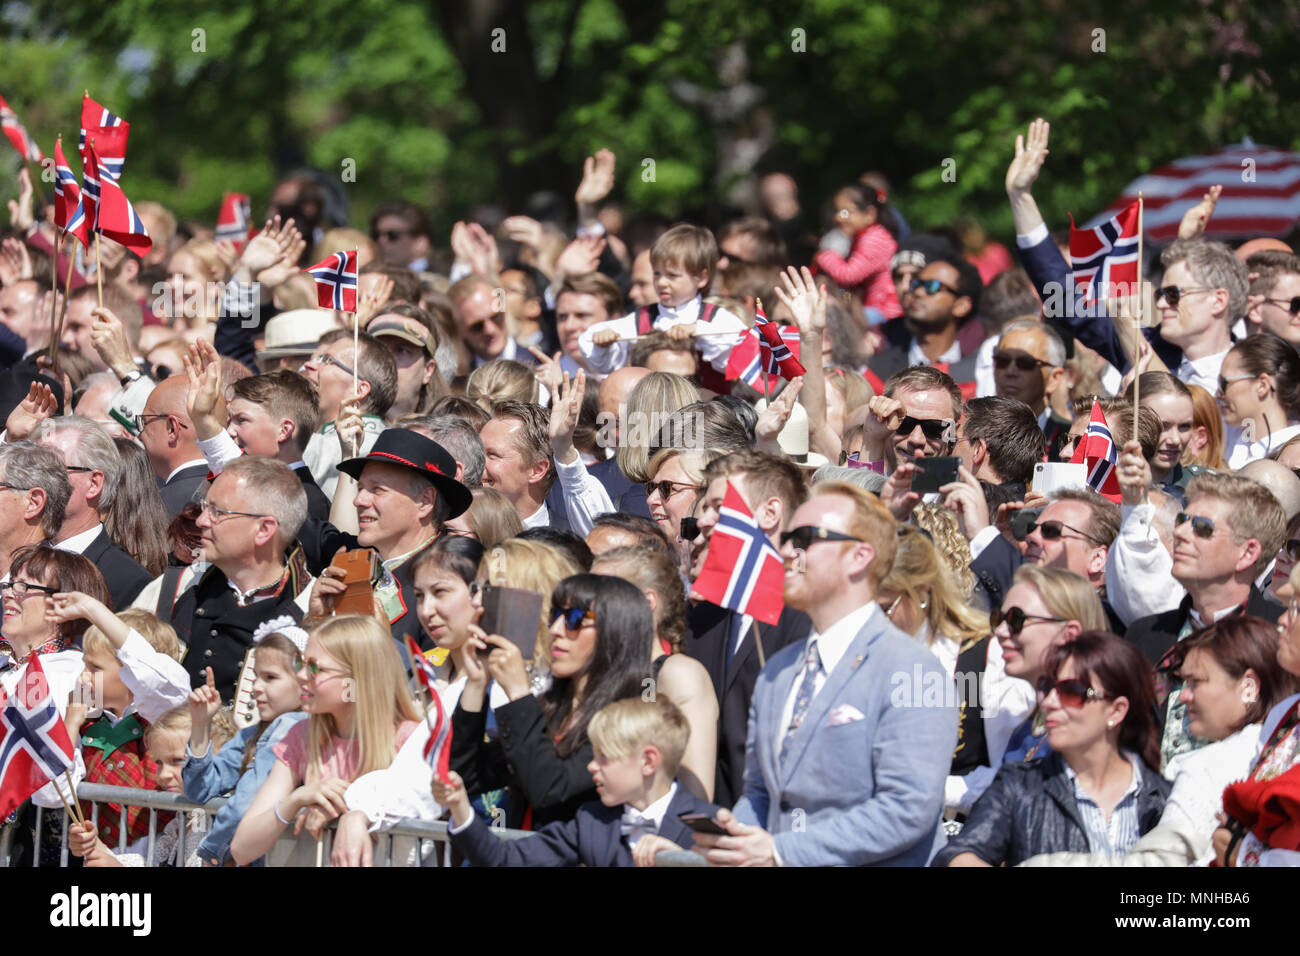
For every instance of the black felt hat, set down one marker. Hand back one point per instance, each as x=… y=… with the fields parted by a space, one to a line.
x=407 y=449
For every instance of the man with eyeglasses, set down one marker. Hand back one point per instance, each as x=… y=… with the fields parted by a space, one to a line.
x=250 y=518
x=845 y=763
x=1231 y=529
x=723 y=640
x=401 y=231
x=1199 y=298
x=480 y=312
x=915 y=417
x=1274 y=298
x=331 y=371
x=168 y=437
x=1029 y=365
x=944 y=296
x=34 y=493
x=94 y=467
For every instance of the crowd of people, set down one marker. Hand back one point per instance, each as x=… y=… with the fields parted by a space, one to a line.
x=232 y=523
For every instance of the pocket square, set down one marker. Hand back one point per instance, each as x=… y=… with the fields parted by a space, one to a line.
x=844 y=714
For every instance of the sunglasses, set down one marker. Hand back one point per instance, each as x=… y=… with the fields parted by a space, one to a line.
x=666 y=488
x=1071 y=693
x=476 y=328
x=1172 y=294
x=1026 y=363
x=574 y=617
x=1052 y=530
x=1016 y=618
x=933 y=428
x=1291 y=305
x=390 y=235
x=314 y=669
x=931 y=286
x=1225 y=382
x=1201 y=527
x=803 y=536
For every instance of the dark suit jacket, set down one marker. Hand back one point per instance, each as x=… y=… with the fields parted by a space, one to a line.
x=633 y=501
x=318 y=505
x=608 y=474
x=522 y=756
x=1155 y=634
x=1055 y=431
x=123 y=574
x=894 y=359
x=708 y=630
x=594 y=837
x=179 y=490
x=555 y=510
x=995 y=567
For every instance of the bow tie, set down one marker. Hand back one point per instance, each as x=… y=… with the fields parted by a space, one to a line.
x=636 y=823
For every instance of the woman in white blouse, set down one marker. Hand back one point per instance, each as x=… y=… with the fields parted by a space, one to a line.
x=1259 y=392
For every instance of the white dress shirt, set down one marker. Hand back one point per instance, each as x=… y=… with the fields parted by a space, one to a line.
x=220 y=450
x=985 y=383
x=714 y=349
x=78 y=543
x=639 y=823
x=915 y=356
x=830 y=647
x=1139 y=569
x=1203 y=371
x=1241 y=452
x=585 y=498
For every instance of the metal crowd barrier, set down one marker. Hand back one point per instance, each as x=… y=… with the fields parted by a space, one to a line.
x=288 y=848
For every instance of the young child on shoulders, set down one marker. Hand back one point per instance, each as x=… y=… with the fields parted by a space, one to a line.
x=684 y=259
x=165 y=739
x=638 y=748
x=244 y=764
x=133 y=669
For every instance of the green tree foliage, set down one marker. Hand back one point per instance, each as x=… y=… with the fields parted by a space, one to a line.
x=460 y=102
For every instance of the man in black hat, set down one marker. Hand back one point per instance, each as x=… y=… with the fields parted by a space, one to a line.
x=406 y=491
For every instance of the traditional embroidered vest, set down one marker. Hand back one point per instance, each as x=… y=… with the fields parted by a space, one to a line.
x=115 y=755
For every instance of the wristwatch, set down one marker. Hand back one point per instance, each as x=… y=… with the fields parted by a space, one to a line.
x=132 y=376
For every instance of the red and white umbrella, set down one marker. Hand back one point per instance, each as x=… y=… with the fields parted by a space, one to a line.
x=1261 y=193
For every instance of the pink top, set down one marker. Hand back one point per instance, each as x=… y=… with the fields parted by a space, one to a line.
x=339 y=757
x=866 y=270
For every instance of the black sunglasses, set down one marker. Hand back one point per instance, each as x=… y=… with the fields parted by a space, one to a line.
x=1026 y=363
x=665 y=488
x=1201 y=527
x=933 y=428
x=574 y=617
x=1016 y=618
x=805 y=535
x=1071 y=693
x=1291 y=305
x=1172 y=294
x=931 y=286
x=1052 y=530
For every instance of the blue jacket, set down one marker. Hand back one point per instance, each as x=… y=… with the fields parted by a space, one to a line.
x=866 y=788
x=594 y=837
x=212 y=775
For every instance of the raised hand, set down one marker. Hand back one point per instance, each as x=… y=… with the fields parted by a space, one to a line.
x=777 y=413
x=597 y=178
x=39 y=405
x=483 y=255
x=371 y=302
x=108 y=336
x=292 y=244
x=807 y=304
x=15 y=261
x=72 y=606
x=350 y=426
x=204 y=702
x=1031 y=153
x=1134 y=474
x=580 y=257
x=20 y=209
x=1198 y=217
x=884 y=415
x=966 y=498
x=566 y=407
x=524 y=230
x=548 y=370
x=204 y=401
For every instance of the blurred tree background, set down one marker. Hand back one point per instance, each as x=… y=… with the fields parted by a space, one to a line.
x=454 y=103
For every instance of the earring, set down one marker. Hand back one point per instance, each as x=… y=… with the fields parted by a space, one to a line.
x=1249 y=695
x=1110 y=723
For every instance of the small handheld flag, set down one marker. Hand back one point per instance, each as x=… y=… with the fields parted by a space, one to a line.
x=774 y=345
x=34 y=744
x=438 y=750
x=336 y=281
x=742 y=571
x=232 y=221
x=115 y=217
x=18 y=135
x=1096 y=449
x=109 y=132
x=1105 y=258
x=67 y=197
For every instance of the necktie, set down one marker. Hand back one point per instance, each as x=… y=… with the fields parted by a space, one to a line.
x=812 y=666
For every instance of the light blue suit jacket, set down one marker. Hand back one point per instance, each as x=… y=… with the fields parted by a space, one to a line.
x=867 y=790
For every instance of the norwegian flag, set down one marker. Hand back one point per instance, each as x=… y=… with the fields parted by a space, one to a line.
x=96 y=123
x=336 y=281
x=115 y=217
x=69 y=214
x=742 y=571
x=18 y=135
x=749 y=355
x=1096 y=450
x=774 y=346
x=232 y=221
x=1105 y=257
x=438 y=750
x=34 y=744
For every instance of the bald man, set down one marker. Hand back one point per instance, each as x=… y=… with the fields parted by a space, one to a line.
x=627 y=495
x=167 y=434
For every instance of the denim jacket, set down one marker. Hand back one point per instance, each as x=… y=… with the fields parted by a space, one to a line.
x=211 y=775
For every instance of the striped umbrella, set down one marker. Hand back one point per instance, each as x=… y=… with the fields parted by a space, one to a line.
x=1261 y=193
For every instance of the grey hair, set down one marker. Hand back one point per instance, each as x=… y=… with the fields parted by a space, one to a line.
x=1212 y=264
x=446 y=359
x=1055 y=347
x=95 y=449
x=26 y=465
x=273 y=488
x=459 y=438
x=862 y=477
